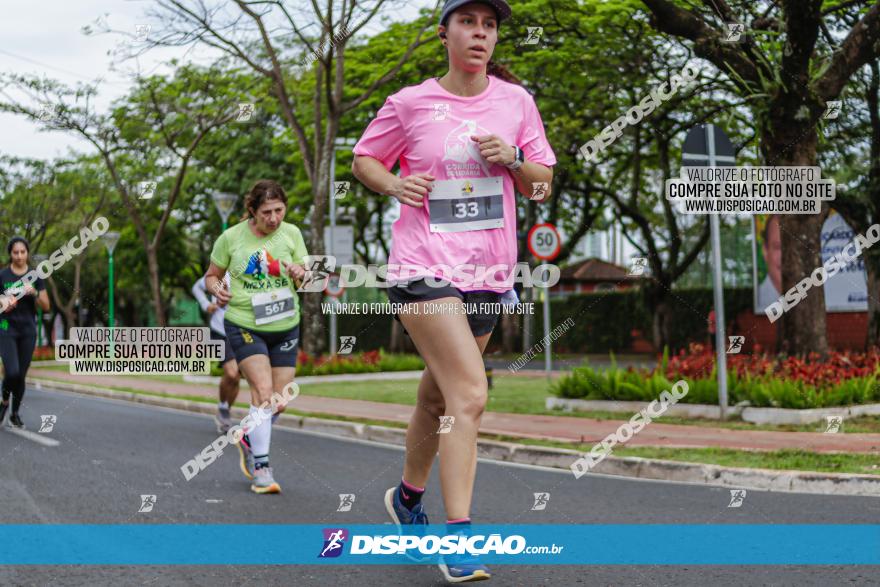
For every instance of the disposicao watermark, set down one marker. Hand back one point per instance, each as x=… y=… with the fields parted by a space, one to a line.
x=319 y=269
x=57 y=259
x=820 y=275
x=213 y=451
x=630 y=428
x=634 y=115
x=342 y=33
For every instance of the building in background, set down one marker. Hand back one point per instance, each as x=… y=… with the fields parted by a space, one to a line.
x=591 y=276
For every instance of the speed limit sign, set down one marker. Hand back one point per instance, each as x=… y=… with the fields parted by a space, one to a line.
x=544 y=241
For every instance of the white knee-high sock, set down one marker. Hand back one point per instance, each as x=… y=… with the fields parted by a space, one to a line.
x=261 y=434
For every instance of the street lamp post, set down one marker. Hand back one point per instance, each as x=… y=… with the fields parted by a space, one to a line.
x=341 y=144
x=225 y=202
x=39 y=258
x=110 y=239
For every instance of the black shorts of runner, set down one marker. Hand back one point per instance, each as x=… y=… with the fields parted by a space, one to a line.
x=481 y=322
x=281 y=347
x=229 y=354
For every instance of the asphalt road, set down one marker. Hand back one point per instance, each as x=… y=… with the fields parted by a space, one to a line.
x=111 y=452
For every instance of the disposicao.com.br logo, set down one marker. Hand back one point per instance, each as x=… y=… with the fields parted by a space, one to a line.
x=472 y=543
x=334 y=542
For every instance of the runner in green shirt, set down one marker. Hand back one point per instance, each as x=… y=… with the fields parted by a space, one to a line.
x=265 y=257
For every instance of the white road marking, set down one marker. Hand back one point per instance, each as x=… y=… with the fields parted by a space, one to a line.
x=33 y=436
x=14 y=496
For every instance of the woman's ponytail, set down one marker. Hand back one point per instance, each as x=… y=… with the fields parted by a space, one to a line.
x=501 y=72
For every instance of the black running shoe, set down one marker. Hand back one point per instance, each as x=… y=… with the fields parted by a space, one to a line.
x=3 y=409
x=16 y=421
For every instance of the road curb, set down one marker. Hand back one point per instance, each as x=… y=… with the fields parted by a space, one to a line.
x=753 y=415
x=314 y=379
x=631 y=407
x=559 y=458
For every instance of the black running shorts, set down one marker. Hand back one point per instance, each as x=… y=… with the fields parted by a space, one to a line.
x=281 y=347
x=481 y=322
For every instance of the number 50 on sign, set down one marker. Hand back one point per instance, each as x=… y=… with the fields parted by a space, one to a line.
x=544 y=241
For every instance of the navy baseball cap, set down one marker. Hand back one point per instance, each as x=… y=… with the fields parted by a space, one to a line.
x=502 y=8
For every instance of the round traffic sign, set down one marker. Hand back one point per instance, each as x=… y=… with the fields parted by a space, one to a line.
x=334 y=286
x=544 y=241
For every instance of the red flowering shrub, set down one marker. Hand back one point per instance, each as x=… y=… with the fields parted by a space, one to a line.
x=365 y=362
x=371 y=357
x=698 y=362
x=43 y=352
x=761 y=380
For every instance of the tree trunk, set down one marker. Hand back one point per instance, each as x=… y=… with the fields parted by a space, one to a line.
x=68 y=309
x=661 y=316
x=510 y=328
x=400 y=342
x=803 y=327
x=872 y=270
x=396 y=344
x=872 y=255
x=313 y=332
x=69 y=319
x=153 y=265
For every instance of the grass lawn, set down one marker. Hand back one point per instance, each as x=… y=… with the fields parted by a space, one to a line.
x=517 y=394
x=797 y=460
x=792 y=460
x=526 y=395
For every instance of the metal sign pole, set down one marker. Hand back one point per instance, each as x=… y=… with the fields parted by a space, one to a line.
x=537 y=248
x=548 y=361
x=331 y=193
x=718 y=287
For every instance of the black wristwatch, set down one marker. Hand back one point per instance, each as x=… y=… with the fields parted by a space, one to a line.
x=518 y=159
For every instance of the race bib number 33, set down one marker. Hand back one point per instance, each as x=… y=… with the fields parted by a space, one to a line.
x=460 y=205
x=272 y=306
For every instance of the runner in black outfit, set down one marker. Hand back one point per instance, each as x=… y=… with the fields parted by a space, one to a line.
x=18 y=329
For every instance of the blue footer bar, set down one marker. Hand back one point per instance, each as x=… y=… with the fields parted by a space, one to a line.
x=718 y=544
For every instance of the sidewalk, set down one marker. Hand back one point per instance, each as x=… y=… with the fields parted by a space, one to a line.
x=559 y=428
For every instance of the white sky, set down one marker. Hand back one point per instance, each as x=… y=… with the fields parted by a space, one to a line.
x=45 y=38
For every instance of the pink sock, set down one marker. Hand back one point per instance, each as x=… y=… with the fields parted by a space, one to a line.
x=412 y=487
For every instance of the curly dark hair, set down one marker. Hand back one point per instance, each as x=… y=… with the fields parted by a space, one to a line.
x=261 y=192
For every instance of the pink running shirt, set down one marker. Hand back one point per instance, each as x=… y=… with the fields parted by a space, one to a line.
x=427 y=129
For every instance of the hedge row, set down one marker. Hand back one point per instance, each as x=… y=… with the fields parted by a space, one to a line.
x=606 y=321
x=603 y=321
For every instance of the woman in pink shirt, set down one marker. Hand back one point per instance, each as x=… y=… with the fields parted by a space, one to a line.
x=466 y=142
